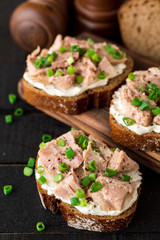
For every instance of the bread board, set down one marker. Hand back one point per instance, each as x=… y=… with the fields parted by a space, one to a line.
x=96 y=121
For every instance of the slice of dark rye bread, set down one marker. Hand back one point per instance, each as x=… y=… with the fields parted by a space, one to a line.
x=127 y=138
x=78 y=220
x=97 y=97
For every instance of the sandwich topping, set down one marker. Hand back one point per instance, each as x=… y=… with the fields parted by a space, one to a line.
x=136 y=105
x=72 y=66
x=84 y=172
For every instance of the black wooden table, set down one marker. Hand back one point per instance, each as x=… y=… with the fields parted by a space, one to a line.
x=21 y=210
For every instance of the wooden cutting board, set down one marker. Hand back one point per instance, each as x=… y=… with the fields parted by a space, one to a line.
x=96 y=121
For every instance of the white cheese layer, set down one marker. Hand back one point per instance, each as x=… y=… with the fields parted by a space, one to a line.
x=75 y=89
x=91 y=207
x=116 y=110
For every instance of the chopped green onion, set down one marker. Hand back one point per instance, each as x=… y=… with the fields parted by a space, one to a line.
x=102 y=75
x=79 y=139
x=42 y=145
x=125 y=178
x=31 y=162
x=151 y=86
x=38 y=63
x=73 y=128
x=42 y=180
x=110 y=172
x=69 y=153
x=46 y=138
x=58 y=73
x=140 y=87
x=74 y=48
x=12 y=98
x=18 y=112
x=40 y=169
x=54 y=54
x=85 y=144
x=98 y=151
x=131 y=76
x=74 y=201
x=63 y=167
x=8 y=119
x=113 y=149
x=50 y=58
x=27 y=171
x=94 y=145
x=62 y=49
x=80 y=193
x=46 y=63
x=156 y=110
x=83 y=202
x=153 y=96
x=58 y=177
x=96 y=186
x=96 y=58
x=49 y=72
x=81 y=51
x=92 y=166
x=159 y=68
x=71 y=70
x=137 y=101
x=90 y=52
x=7 y=189
x=85 y=181
x=146 y=106
x=61 y=142
x=118 y=55
x=40 y=226
x=70 y=60
x=109 y=49
x=90 y=41
x=128 y=121
x=92 y=177
x=79 y=79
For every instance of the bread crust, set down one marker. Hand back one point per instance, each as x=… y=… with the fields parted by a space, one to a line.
x=78 y=220
x=97 y=97
x=127 y=138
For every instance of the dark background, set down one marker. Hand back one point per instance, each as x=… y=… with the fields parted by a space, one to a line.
x=22 y=209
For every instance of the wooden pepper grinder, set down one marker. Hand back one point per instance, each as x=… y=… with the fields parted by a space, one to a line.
x=37 y=22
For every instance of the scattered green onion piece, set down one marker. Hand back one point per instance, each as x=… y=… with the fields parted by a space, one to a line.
x=118 y=55
x=18 y=112
x=159 y=68
x=90 y=41
x=7 y=189
x=92 y=177
x=146 y=106
x=137 y=101
x=153 y=96
x=69 y=153
x=31 y=162
x=12 y=98
x=110 y=172
x=81 y=51
x=74 y=48
x=54 y=54
x=96 y=186
x=102 y=75
x=27 y=171
x=42 y=145
x=50 y=58
x=70 y=60
x=40 y=169
x=74 y=201
x=38 y=63
x=62 y=49
x=83 y=202
x=113 y=149
x=156 y=110
x=85 y=181
x=80 y=193
x=46 y=63
x=49 y=72
x=58 y=73
x=79 y=79
x=128 y=121
x=58 y=177
x=73 y=128
x=40 y=226
x=140 y=87
x=85 y=144
x=90 y=52
x=71 y=70
x=42 y=180
x=94 y=144
x=97 y=151
x=79 y=139
x=96 y=58
x=61 y=142
x=46 y=138
x=92 y=166
x=8 y=119
x=151 y=86
x=109 y=49
x=63 y=167
x=131 y=76
x=125 y=178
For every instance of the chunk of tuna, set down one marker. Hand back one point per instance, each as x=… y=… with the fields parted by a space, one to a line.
x=113 y=194
x=107 y=67
x=58 y=42
x=121 y=162
x=63 y=82
x=70 y=41
x=156 y=119
x=66 y=189
x=61 y=60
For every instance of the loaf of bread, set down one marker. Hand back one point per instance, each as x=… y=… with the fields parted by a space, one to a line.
x=139 y=25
